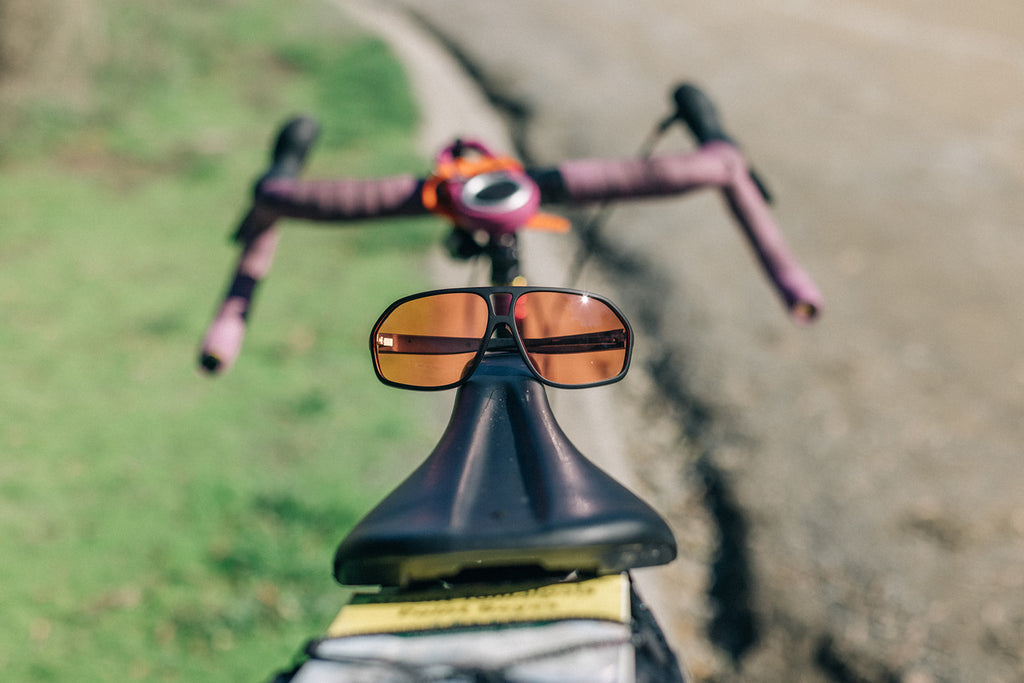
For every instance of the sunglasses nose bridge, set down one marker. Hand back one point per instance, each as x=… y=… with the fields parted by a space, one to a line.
x=501 y=303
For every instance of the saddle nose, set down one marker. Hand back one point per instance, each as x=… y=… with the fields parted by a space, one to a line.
x=503 y=489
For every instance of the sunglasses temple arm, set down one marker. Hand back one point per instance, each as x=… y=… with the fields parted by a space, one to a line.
x=424 y=345
x=578 y=343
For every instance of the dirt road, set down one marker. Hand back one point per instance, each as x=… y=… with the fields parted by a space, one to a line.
x=861 y=481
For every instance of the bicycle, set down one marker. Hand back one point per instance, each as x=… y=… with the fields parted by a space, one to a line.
x=506 y=555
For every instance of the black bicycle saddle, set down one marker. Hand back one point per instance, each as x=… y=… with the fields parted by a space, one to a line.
x=504 y=489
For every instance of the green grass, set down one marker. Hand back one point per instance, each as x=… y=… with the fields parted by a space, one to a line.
x=156 y=524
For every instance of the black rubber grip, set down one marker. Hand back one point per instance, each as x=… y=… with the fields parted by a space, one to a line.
x=292 y=147
x=698 y=112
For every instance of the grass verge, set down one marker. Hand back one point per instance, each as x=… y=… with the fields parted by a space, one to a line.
x=159 y=525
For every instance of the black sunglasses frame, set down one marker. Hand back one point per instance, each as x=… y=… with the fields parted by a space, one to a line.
x=490 y=344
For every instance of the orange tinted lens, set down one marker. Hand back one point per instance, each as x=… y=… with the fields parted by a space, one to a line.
x=432 y=341
x=572 y=339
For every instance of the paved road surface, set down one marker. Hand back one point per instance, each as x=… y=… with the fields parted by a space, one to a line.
x=864 y=478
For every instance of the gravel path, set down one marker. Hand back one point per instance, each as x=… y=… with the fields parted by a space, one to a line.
x=859 y=484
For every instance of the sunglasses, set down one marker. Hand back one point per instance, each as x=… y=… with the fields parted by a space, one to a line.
x=436 y=340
